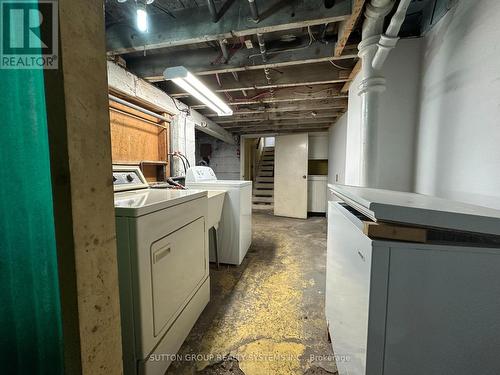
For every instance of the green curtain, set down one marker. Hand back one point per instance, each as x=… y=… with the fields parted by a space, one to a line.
x=30 y=314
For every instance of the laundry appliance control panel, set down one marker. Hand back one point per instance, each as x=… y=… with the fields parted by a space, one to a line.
x=127 y=177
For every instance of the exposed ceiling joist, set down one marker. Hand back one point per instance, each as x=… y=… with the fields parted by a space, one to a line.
x=319 y=105
x=346 y=27
x=201 y=61
x=320 y=92
x=275 y=123
x=191 y=26
x=266 y=87
x=279 y=116
x=352 y=75
x=306 y=75
x=280 y=130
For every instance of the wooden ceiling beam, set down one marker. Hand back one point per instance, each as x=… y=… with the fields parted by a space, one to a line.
x=283 y=130
x=295 y=76
x=354 y=73
x=317 y=105
x=346 y=27
x=289 y=95
x=204 y=61
x=265 y=124
x=301 y=115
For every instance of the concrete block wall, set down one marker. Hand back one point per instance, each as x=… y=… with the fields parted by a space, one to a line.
x=183 y=141
x=225 y=160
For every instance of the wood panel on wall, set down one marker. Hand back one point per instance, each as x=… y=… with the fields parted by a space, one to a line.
x=136 y=138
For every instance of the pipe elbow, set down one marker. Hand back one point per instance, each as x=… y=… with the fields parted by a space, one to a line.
x=385 y=45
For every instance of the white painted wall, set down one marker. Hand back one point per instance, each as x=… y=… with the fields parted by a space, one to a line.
x=353 y=135
x=458 y=152
x=398 y=120
x=337 y=143
x=337 y=135
x=225 y=160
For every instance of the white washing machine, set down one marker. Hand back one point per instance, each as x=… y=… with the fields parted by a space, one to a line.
x=234 y=235
x=162 y=267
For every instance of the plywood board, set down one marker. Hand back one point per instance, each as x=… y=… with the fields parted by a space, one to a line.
x=394 y=232
x=136 y=137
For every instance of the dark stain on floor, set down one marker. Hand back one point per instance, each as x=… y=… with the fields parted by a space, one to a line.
x=267 y=315
x=228 y=366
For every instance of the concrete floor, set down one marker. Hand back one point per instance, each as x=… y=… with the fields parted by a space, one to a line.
x=266 y=316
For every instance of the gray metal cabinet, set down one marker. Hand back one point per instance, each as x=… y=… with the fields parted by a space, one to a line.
x=316 y=193
x=398 y=308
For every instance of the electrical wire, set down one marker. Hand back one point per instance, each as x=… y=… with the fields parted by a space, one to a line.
x=310 y=33
x=182 y=160
x=314 y=92
x=338 y=66
x=186 y=111
x=185 y=158
x=311 y=39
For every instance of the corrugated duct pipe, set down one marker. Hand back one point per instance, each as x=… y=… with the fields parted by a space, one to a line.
x=373 y=51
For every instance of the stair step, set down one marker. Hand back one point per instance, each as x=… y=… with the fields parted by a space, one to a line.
x=263 y=193
x=263 y=199
x=265 y=174
x=266 y=186
x=260 y=179
x=266 y=168
x=267 y=163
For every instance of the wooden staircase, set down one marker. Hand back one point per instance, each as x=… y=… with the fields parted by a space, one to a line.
x=263 y=188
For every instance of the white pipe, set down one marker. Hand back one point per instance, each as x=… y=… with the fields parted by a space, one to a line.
x=389 y=40
x=136 y=107
x=373 y=82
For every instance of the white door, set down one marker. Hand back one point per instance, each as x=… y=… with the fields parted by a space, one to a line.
x=290 y=175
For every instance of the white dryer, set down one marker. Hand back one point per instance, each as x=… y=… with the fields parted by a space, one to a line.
x=162 y=267
x=234 y=235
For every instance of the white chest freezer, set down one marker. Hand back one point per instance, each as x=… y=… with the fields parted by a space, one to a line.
x=396 y=307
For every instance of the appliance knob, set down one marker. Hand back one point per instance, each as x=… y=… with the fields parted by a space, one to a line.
x=114 y=179
x=130 y=178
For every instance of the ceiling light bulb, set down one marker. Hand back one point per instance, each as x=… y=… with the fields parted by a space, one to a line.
x=142 y=18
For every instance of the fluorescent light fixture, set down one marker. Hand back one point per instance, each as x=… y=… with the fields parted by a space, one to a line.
x=142 y=18
x=187 y=81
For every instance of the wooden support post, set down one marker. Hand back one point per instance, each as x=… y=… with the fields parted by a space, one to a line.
x=76 y=97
